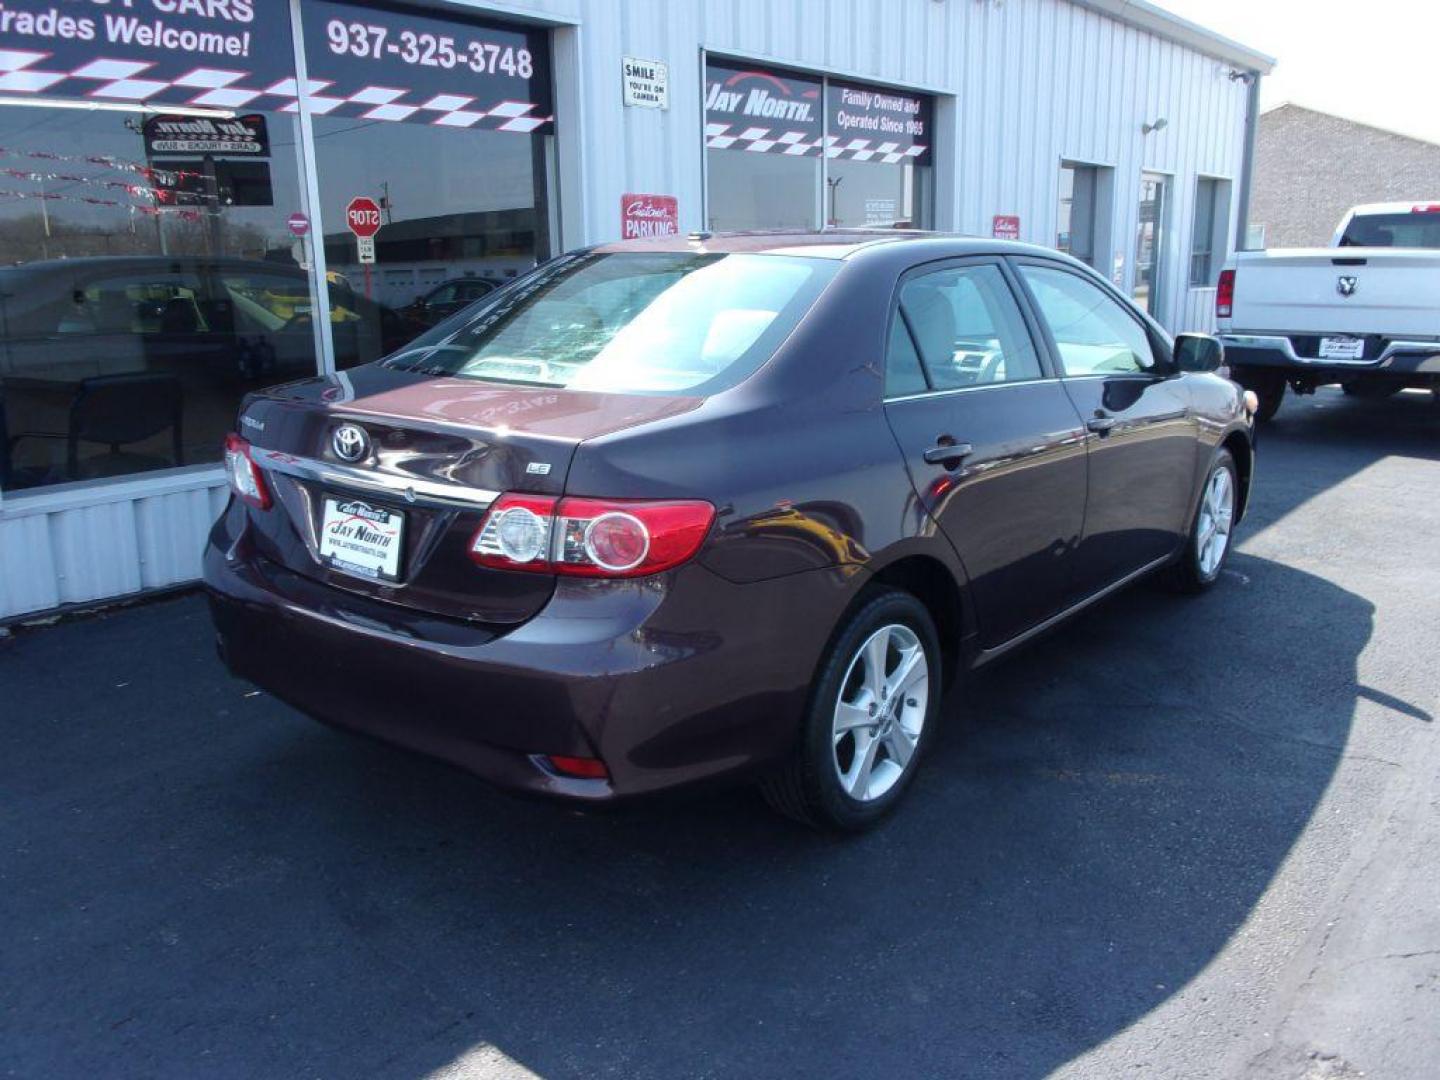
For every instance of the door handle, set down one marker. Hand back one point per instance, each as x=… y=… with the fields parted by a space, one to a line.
x=947 y=450
x=1100 y=425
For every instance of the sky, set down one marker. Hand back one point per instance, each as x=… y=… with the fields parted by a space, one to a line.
x=1368 y=60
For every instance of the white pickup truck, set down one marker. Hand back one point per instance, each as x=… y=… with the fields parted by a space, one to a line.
x=1364 y=312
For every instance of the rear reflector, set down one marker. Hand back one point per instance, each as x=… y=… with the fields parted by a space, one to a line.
x=590 y=537
x=246 y=479
x=582 y=768
x=1225 y=294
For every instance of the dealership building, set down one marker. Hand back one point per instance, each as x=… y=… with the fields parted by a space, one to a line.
x=199 y=198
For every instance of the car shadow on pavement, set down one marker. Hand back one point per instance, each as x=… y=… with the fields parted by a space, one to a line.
x=208 y=884
x=197 y=881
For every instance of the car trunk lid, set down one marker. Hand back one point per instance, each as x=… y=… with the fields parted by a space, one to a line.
x=437 y=453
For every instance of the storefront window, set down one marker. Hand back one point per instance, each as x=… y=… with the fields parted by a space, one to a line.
x=148 y=277
x=877 y=157
x=445 y=128
x=763 y=137
x=776 y=160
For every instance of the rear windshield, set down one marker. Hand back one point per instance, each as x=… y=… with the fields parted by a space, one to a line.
x=1393 y=230
x=657 y=323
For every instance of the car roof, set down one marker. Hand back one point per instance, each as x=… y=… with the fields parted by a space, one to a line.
x=826 y=244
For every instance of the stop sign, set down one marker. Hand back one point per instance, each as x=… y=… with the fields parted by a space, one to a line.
x=363 y=216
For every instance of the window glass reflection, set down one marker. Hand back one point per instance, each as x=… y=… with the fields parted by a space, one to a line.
x=473 y=218
x=141 y=293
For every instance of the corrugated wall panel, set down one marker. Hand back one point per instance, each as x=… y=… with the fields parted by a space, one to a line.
x=76 y=554
x=27 y=566
x=96 y=553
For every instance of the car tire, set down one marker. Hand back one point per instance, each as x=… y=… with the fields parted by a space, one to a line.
x=1200 y=564
x=848 y=770
x=1371 y=389
x=1269 y=388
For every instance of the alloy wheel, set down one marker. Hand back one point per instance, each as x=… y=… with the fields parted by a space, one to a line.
x=1217 y=514
x=880 y=712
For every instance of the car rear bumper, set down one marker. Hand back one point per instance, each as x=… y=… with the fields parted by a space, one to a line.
x=670 y=681
x=1383 y=356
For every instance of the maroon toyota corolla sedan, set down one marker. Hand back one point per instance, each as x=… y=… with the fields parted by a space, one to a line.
x=736 y=507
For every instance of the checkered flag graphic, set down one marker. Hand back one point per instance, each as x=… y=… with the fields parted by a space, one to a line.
x=22 y=72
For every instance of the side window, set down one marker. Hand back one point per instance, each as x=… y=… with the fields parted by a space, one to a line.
x=968 y=328
x=1095 y=334
x=903 y=374
x=137 y=303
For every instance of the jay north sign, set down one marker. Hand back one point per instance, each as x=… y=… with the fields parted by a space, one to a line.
x=788 y=102
x=239 y=136
x=753 y=109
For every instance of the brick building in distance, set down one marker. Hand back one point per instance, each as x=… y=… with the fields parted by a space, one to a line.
x=1310 y=167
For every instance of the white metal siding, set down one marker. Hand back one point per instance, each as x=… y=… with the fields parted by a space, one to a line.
x=117 y=544
x=1022 y=85
x=1199 y=315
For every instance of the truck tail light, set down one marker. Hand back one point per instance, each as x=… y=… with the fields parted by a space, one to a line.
x=246 y=479
x=1225 y=294
x=590 y=537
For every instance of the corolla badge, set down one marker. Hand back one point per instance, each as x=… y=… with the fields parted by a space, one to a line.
x=350 y=443
x=1347 y=285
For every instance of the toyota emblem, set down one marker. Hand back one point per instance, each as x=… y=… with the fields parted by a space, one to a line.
x=350 y=443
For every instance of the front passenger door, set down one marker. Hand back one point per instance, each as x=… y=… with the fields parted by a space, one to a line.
x=1140 y=427
x=994 y=448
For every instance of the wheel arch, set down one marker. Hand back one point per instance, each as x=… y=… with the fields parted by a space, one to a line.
x=1242 y=449
x=933 y=583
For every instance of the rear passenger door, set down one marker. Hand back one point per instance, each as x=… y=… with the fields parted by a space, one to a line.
x=994 y=447
x=1140 y=425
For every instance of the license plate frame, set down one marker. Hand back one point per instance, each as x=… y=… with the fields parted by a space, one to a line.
x=361 y=538
x=1342 y=347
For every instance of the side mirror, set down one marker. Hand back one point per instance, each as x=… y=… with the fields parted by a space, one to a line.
x=1198 y=352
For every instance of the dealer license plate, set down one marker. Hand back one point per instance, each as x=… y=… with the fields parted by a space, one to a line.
x=362 y=539
x=1342 y=348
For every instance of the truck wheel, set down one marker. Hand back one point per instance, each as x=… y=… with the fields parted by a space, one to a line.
x=1373 y=389
x=1269 y=387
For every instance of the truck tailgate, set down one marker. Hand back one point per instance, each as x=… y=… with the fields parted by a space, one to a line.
x=1353 y=291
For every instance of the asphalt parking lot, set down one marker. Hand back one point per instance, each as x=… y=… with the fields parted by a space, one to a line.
x=1188 y=838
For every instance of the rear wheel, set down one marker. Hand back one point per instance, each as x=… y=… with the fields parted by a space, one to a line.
x=1209 y=543
x=1269 y=387
x=871 y=717
x=1370 y=388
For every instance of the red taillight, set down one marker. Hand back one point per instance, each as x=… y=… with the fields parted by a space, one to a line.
x=1225 y=294
x=590 y=537
x=582 y=768
x=246 y=479
x=1425 y=208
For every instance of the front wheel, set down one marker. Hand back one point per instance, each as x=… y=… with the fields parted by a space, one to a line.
x=870 y=719
x=1209 y=542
